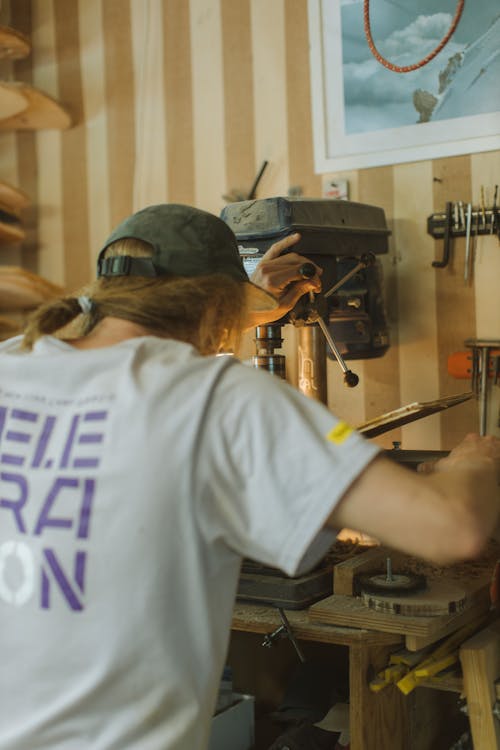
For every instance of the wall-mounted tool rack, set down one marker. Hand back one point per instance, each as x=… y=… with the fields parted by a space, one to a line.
x=461 y=219
x=483 y=221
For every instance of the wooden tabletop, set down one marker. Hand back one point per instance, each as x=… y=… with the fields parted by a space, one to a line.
x=253 y=618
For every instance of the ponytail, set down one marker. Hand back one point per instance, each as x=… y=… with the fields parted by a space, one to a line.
x=51 y=317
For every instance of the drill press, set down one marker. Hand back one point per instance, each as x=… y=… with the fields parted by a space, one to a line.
x=346 y=321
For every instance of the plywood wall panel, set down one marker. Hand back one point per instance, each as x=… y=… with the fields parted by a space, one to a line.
x=416 y=301
x=485 y=172
x=73 y=142
x=298 y=102
x=455 y=302
x=208 y=104
x=238 y=97
x=270 y=102
x=178 y=101
x=120 y=95
x=96 y=122
x=382 y=393
x=150 y=167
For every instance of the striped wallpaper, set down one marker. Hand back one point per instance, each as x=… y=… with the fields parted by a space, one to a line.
x=182 y=100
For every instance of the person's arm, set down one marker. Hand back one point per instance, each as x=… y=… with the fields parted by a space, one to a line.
x=280 y=276
x=444 y=516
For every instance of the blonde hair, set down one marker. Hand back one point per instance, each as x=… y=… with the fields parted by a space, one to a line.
x=205 y=311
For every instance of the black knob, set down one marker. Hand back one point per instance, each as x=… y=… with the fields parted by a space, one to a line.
x=350 y=379
x=307 y=270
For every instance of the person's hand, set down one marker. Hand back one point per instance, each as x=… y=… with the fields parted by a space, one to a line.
x=280 y=276
x=474 y=449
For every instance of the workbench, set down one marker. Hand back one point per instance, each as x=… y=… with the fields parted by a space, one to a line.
x=386 y=719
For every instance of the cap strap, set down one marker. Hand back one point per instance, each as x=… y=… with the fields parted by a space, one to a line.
x=125 y=265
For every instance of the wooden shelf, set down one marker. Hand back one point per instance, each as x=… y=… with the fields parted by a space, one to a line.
x=13 y=44
x=40 y=111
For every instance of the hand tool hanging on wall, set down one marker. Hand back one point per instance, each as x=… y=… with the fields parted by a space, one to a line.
x=454 y=221
x=446 y=239
x=494 y=214
x=468 y=243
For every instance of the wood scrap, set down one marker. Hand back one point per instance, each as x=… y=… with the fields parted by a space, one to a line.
x=23 y=290
x=409 y=413
x=12 y=200
x=13 y=44
x=11 y=232
x=42 y=111
x=12 y=101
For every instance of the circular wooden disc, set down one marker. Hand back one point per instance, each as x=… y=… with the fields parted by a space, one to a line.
x=439 y=598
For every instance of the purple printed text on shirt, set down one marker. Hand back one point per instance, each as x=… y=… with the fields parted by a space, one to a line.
x=65 y=451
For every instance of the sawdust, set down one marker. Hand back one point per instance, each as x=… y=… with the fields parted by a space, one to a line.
x=472 y=569
x=343 y=550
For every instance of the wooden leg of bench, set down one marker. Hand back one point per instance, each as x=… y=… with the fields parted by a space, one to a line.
x=480 y=659
x=377 y=720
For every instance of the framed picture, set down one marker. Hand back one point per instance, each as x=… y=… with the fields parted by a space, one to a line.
x=366 y=115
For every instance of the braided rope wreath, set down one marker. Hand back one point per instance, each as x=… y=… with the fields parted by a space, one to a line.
x=425 y=60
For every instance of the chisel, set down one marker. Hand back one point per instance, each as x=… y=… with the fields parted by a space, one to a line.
x=467 y=242
x=494 y=210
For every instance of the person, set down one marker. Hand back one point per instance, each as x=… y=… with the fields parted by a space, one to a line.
x=138 y=468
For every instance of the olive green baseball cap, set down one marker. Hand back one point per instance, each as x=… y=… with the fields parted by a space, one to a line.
x=186 y=241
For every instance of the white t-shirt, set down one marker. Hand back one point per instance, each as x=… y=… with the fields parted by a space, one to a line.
x=133 y=479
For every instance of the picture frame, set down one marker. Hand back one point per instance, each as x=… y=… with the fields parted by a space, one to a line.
x=365 y=115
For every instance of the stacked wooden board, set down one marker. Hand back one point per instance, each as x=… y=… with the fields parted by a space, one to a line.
x=22 y=107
